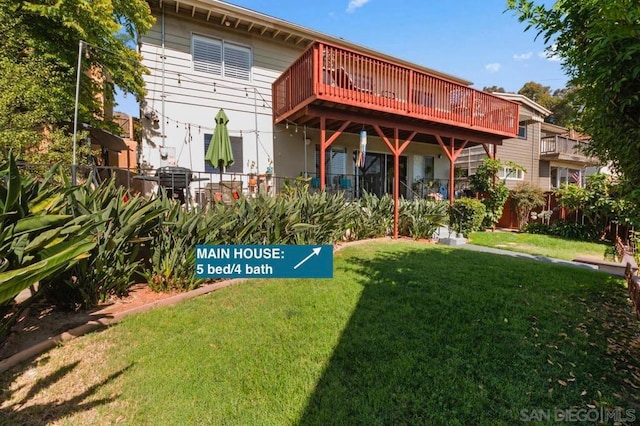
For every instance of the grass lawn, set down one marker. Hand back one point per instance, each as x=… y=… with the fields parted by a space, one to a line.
x=540 y=245
x=405 y=333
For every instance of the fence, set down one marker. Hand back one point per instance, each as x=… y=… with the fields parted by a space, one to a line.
x=205 y=187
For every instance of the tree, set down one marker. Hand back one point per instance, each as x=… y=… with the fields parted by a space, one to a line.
x=38 y=60
x=564 y=109
x=494 y=89
x=598 y=42
x=537 y=93
x=600 y=201
x=526 y=197
x=495 y=193
x=561 y=102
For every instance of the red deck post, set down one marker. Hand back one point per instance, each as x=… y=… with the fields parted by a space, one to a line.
x=323 y=136
x=452 y=183
x=452 y=154
x=396 y=183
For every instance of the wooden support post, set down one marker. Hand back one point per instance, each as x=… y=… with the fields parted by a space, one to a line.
x=396 y=183
x=326 y=143
x=452 y=154
x=396 y=149
x=323 y=136
x=452 y=176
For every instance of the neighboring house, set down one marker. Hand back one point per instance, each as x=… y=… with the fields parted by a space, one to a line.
x=562 y=157
x=551 y=155
x=298 y=99
x=128 y=125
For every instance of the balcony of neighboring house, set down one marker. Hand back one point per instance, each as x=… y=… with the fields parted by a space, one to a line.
x=566 y=150
x=328 y=80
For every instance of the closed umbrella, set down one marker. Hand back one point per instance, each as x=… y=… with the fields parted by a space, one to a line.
x=219 y=153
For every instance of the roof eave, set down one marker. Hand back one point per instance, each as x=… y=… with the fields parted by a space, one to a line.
x=300 y=34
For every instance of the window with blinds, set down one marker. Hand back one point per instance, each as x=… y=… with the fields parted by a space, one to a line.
x=221 y=58
x=236 y=148
x=237 y=62
x=207 y=55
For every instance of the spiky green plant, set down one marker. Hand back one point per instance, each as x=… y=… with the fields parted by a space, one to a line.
x=37 y=240
x=121 y=223
x=323 y=218
x=374 y=217
x=172 y=248
x=421 y=218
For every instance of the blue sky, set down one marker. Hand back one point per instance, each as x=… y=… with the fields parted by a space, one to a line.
x=472 y=39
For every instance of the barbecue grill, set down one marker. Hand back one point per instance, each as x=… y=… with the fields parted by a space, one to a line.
x=175 y=180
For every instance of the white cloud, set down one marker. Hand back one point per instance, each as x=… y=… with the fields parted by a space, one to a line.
x=550 y=54
x=494 y=67
x=553 y=57
x=522 y=56
x=354 y=4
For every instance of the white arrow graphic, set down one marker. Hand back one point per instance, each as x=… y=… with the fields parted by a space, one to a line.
x=316 y=251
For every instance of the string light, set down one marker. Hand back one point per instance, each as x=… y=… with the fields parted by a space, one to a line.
x=265 y=104
x=215 y=85
x=187 y=125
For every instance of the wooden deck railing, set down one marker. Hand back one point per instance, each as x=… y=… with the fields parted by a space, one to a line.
x=330 y=73
x=561 y=145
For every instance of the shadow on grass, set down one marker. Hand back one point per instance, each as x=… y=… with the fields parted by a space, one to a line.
x=457 y=337
x=19 y=413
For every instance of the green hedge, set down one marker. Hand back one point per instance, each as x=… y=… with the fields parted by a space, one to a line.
x=467 y=215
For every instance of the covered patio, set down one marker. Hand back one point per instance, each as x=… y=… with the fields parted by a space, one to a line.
x=338 y=90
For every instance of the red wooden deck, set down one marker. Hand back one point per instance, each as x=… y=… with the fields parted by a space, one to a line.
x=330 y=77
x=341 y=90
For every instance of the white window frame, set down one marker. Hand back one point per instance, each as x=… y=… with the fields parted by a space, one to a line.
x=335 y=168
x=522 y=126
x=509 y=174
x=226 y=70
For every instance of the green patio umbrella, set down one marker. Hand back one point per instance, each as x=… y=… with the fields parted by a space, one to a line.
x=219 y=153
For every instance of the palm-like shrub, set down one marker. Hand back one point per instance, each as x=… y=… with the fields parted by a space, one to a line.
x=120 y=224
x=421 y=218
x=374 y=217
x=36 y=239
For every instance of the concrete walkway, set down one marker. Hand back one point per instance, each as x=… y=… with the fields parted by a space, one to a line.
x=443 y=232
x=527 y=256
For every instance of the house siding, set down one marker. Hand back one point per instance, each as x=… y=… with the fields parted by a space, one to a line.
x=193 y=98
x=186 y=101
x=524 y=153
